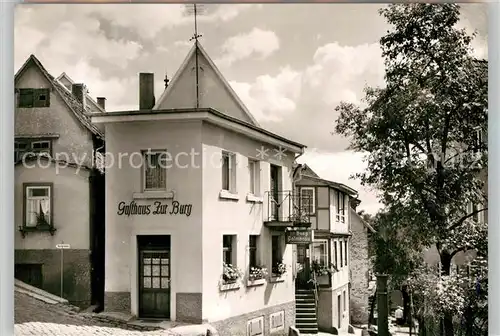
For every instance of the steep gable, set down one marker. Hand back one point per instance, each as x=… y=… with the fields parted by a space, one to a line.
x=214 y=90
x=77 y=109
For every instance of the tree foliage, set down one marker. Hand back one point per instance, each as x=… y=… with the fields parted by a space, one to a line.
x=420 y=135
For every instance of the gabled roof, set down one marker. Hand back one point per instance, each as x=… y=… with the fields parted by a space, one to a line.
x=365 y=223
x=308 y=173
x=183 y=68
x=73 y=104
x=64 y=75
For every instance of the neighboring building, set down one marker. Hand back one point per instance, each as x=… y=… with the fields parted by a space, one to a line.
x=330 y=217
x=170 y=229
x=58 y=194
x=359 y=273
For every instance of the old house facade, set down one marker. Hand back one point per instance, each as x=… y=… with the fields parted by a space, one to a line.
x=190 y=235
x=57 y=189
x=329 y=251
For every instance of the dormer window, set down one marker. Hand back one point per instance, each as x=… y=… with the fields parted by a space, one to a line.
x=33 y=98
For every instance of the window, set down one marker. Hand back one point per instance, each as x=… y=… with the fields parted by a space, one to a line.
x=345 y=300
x=341 y=259
x=320 y=252
x=276 y=253
x=38 y=205
x=41 y=146
x=340 y=207
x=252 y=251
x=20 y=148
x=345 y=253
x=335 y=253
x=254 y=172
x=155 y=170
x=473 y=207
x=228 y=249
x=229 y=172
x=34 y=98
x=307 y=200
x=24 y=146
x=29 y=273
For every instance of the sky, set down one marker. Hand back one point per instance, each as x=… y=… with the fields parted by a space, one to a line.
x=291 y=64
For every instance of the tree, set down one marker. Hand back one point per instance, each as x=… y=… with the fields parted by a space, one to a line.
x=394 y=252
x=419 y=132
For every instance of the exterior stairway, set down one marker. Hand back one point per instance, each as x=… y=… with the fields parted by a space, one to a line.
x=306 y=320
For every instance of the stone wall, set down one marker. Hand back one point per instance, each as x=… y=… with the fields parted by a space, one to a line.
x=359 y=306
x=237 y=325
x=76 y=272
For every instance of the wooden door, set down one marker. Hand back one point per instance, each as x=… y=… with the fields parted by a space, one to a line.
x=304 y=275
x=154 y=283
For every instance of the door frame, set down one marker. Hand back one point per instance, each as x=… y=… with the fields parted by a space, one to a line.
x=152 y=249
x=134 y=267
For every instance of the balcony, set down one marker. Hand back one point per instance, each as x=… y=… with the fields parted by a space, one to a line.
x=286 y=209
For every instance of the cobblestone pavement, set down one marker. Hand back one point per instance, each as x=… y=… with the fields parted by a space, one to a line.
x=55 y=329
x=35 y=317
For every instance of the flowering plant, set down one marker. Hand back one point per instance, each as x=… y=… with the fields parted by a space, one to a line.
x=279 y=269
x=319 y=269
x=257 y=272
x=230 y=273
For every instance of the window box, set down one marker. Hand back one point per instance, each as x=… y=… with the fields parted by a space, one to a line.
x=39 y=228
x=226 y=194
x=254 y=199
x=256 y=282
x=277 y=278
x=232 y=286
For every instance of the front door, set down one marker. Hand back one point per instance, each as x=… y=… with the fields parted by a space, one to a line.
x=303 y=275
x=275 y=188
x=154 y=277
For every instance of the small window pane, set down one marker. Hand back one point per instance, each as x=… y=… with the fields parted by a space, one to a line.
x=147 y=270
x=156 y=270
x=164 y=271
x=147 y=282
x=38 y=192
x=156 y=283
x=156 y=261
x=165 y=283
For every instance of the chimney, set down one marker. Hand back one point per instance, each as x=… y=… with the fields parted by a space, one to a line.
x=146 y=91
x=101 y=101
x=78 y=90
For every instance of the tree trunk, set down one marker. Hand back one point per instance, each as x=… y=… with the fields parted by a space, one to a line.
x=447 y=322
x=421 y=326
x=406 y=304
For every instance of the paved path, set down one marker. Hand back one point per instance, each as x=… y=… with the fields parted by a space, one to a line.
x=55 y=329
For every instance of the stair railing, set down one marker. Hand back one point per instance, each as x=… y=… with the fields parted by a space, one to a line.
x=315 y=283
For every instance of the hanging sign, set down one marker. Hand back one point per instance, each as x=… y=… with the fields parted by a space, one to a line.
x=298 y=236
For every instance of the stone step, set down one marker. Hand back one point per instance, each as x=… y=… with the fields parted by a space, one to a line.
x=306 y=305
x=308 y=330
x=305 y=315
x=306 y=299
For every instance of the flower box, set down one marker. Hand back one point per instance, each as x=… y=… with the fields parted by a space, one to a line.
x=224 y=286
x=257 y=282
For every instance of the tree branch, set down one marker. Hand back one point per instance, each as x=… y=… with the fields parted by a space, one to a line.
x=464 y=218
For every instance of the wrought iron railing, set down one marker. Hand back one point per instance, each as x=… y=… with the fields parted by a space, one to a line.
x=287 y=206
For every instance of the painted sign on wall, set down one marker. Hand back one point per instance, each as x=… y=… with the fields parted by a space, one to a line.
x=298 y=236
x=157 y=208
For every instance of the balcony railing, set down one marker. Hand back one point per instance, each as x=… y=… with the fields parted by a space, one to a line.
x=288 y=206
